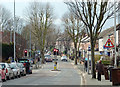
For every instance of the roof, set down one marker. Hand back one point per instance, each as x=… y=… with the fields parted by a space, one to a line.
x=85 y=39
x=109 y=31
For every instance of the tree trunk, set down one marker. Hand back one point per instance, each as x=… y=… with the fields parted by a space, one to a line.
x=75 y=55
x=93 y=59
x=42 y=55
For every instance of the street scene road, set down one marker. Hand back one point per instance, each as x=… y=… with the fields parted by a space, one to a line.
x=67 y=75
x=48 y=42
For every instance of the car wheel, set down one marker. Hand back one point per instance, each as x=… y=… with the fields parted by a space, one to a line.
x=30 y=72
x=13 y=76
x=19 y=75
x=8 y=77
x=16 y=75
x=3 y=80
x=24 y=74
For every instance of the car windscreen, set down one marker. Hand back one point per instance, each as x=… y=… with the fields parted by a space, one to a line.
x=13 y=66
x=47 y=56
x=64 y=57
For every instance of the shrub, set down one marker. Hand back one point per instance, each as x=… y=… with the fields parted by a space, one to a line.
x=106 y=62
x=97 y=57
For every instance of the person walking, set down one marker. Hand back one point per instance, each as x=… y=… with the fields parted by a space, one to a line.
x=27 y=66
x=86 y=65
x=99 y=69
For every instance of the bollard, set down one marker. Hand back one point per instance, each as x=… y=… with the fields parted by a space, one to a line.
x=55 y=65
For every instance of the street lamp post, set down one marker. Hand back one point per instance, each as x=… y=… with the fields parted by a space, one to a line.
x=14 y=31
x=115 y=64
x=30 y=42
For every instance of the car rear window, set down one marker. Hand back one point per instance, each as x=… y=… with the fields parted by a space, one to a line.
x=22 y=60
x=20 y=65
x=3 y=65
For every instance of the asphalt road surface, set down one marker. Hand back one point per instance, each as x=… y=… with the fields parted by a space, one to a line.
x=68 y=75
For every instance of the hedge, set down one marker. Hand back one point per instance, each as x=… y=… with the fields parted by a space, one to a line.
x=7 y=51
x=105 y=62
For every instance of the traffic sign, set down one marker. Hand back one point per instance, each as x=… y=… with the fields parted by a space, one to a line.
x=109 y=44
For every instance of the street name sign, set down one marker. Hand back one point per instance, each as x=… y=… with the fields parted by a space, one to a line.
x=109 y=44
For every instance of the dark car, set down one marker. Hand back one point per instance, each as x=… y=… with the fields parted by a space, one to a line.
x=24 y=61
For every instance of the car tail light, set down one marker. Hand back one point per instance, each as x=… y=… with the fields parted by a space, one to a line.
x=6 y=71
x=24 y=64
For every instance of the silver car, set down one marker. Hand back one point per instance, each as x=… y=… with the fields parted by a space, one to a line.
x=22 y=69
x=15 y=69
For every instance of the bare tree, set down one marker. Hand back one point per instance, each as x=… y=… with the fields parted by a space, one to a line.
x=5 y=16
x=74 y=28
x=94 y=15
x=52 y=35
x=40 y=19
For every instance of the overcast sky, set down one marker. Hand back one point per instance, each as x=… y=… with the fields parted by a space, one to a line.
x=59 y=9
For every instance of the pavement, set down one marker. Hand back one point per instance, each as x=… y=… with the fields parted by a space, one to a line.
x=87 y=78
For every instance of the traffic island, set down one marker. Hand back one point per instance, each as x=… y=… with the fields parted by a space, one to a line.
x=55 y=67
x=56 y=70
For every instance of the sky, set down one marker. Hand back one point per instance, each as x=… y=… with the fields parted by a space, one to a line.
x=59 y=9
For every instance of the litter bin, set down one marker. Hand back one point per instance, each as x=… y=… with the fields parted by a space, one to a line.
x=106 y=73
x=115 y=76
x=110 y=74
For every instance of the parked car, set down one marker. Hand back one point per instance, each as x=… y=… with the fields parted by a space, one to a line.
x=30 y=70
x=22 y=69
x=2 y=74
x=8 y=71
x=24 y=61
x=15 y=69
x=31 y=61
x=64 y=58
x=48 y=58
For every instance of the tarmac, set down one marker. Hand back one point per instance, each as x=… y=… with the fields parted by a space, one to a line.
x=87 y=78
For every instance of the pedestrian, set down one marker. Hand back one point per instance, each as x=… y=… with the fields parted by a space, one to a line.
x=27 y=66
x=99 y=69
x=38 y=59
x=86 y=66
